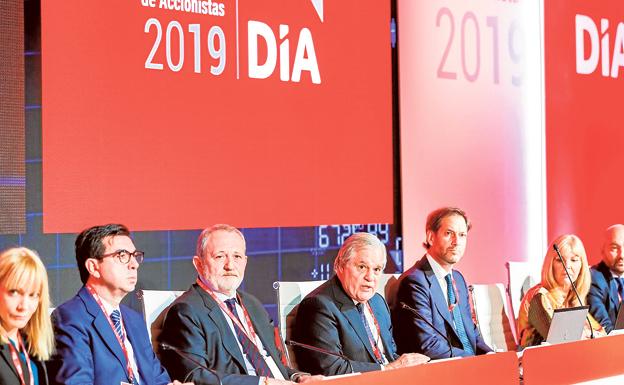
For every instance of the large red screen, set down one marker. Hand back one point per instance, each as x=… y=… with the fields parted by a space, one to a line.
x=255 y=113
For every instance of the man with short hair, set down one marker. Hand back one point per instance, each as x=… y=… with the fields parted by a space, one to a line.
x=438 y=293
x=99 y=341
x=345 y=316
x=220 y=327
x=607 y=287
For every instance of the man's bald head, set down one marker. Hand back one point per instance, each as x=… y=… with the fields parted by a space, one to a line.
x=613 y=248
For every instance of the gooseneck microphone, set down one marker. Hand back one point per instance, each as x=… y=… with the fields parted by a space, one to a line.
x=578 y=297
x=186 y=356
x=320 y=350
x=419 y=316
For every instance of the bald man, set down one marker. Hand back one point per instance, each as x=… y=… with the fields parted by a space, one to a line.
x=607 y=288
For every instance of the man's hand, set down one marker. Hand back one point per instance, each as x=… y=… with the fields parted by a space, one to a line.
x=176 y=382
x=408 y=359
x=306 y=378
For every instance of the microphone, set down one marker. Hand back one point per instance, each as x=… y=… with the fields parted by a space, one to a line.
x=578 y=297
x=320 y=350
x=182 y=354
x=419 y=316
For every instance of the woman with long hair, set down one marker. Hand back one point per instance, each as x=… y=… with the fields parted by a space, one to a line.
x=26 y=337
x=555 y=291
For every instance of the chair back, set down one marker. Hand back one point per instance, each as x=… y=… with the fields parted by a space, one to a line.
x=522 y=277
x=289 y=295
x=492 y=316
x=388 y=286
x=155 y=304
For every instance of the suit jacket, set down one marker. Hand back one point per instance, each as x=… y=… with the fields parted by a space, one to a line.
x=196 y=325
x=418 y=287
x=8 y=372
x=327 y=318
x=87 y=351
x=603 y=297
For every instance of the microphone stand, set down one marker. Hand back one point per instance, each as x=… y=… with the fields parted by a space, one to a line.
x=578 y=297
x=320 y=350
x=184 y=355
x=419 y=316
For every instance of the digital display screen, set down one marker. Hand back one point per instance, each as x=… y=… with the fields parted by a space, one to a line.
x=173 y=115
x=12 y=148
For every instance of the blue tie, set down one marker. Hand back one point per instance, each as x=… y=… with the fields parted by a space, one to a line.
x=457 y=317
x=116 y=318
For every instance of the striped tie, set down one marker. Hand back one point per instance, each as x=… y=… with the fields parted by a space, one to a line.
x=457 y=317
x=116 y=318
x=249 y=348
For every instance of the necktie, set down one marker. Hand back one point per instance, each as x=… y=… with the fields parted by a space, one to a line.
x=116 y=318
x=360 y=307
x=457 y=317
x=620 y=282
x=249 y=348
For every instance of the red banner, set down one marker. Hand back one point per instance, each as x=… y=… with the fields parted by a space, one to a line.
x=174 y=114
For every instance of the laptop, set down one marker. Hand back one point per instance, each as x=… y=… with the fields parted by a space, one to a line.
x=567 y=325
x=619 y=321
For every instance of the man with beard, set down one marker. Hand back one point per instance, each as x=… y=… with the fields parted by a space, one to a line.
x=215 y=325
x=438 y=293
x=607 y=288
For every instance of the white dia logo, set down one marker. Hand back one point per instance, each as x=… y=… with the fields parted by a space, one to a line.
x=587 y=57
x=305 y=55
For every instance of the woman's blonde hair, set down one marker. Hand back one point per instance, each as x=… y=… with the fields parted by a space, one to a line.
x=22 y=268
x=573 y=244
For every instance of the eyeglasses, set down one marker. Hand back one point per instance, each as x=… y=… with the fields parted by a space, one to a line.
x=124 y=256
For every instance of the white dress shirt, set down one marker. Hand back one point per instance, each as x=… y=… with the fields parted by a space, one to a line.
x=109 y=310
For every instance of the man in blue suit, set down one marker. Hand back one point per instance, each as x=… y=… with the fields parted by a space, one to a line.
x=99 y=341
x=347 y=317
x=439 y=294
x=607 y=288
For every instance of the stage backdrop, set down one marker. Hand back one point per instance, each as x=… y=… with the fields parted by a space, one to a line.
x=471 y=127
x=584 y=93
x=178 y=114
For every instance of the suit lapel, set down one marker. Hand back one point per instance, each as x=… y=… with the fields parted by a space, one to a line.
x=266 y=339
x=386 y=337
x=131 y=334
x=230 y=342
x=103 y=327
x=437 y=296
x=5 y=352
x=464 y=307
x=347 y=307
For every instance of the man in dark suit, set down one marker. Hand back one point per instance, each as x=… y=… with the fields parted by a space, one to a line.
x=99 y=341
x=347 y=317
x=219 y=326
x=439 y=294
x=607 y=287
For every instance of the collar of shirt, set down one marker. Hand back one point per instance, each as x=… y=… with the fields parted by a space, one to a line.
x=439 y=272
x=109 y=308
x=614 y=275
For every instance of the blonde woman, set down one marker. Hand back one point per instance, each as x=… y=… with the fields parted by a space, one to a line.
x=26 y=337
x=555 y=292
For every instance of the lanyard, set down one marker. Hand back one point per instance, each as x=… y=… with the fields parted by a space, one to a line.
x=376 y=349
x=119 y=338
x=251 y=334
x=16 y=361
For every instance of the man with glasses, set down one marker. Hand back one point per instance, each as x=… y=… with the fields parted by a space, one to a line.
x=99 y=341
x=438 y=293
x=347 y=319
